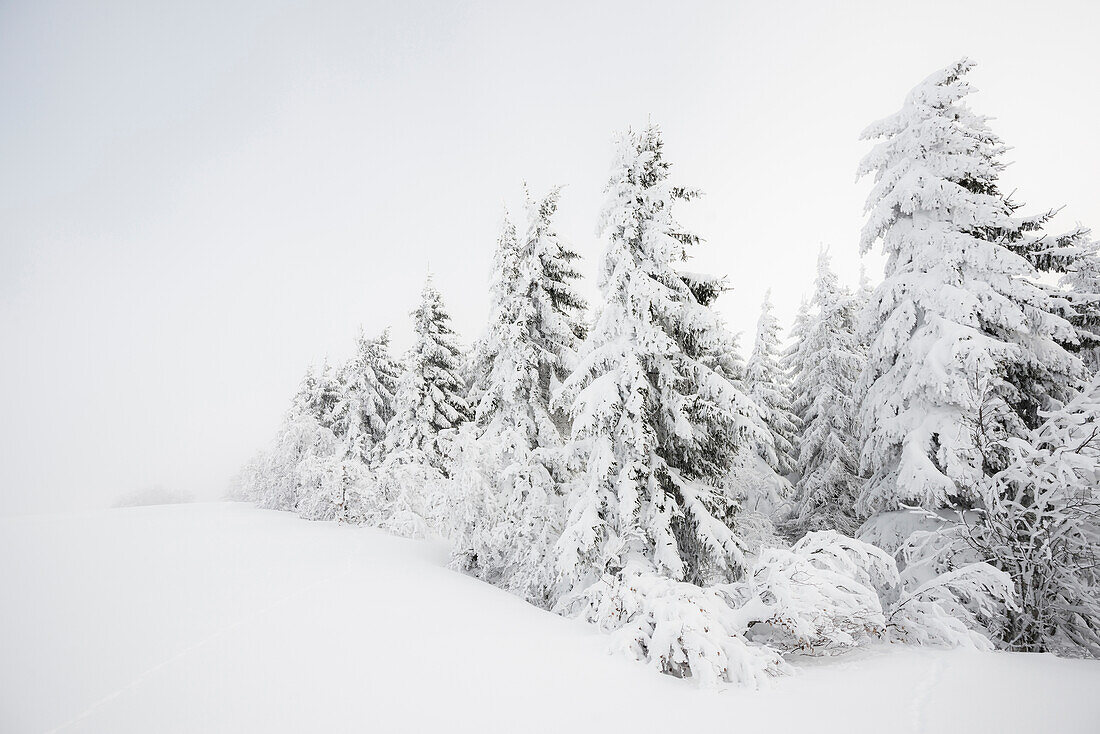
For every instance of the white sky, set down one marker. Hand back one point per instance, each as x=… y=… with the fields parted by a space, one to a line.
x=199 y=199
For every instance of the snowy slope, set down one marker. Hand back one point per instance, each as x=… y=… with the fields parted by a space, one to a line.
x=223 y=618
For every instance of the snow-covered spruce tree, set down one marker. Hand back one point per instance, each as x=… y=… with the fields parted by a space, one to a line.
x=429 y=403
x=864 y=317
x=766 y=383
x=1081 y=278
x=332 y=475
x=655 y=429
x=479 y=360
x=824 y=389
x=511 y=513
x=406 y=492
x=552 y=288
x=368 y=383
x=958 y=314
x=795 y=355
x=330 y=464
x=275 y=481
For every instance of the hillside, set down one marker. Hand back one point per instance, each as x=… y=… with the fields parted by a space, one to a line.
x=220 y=618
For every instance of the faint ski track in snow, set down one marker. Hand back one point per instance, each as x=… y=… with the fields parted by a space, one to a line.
x=932 y=679
x=194 y=646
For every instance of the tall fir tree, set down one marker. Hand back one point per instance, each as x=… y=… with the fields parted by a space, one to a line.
x=429 y=402
x=1081 y=278
x=359 y=399
x=277 y=479
x=559 y=310
x=824 y=389
x=655 y=427
x=767 y=384
x=368 y=383
x=510 y=514
x=794 y=356
x=959 y=325
x=539 y=269
x=504 y=276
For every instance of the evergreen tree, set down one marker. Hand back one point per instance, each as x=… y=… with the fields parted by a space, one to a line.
x=824 y=386
x=275 y=480
x=550 y=277
x=429 y=403
x=328 y=464
x=864 y=317
x=358 y=402
x=512 y=513
x=958 y=318
x=1081 y=277
x=794 y=356
x=767 y=385
x=549 y=282
x=365 y=405
x=504 y=277
x=655 y=428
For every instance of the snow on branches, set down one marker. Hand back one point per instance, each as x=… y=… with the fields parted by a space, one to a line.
x=959 y=310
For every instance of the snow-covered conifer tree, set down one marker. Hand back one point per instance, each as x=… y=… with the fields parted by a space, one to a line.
x=766 y=383
x=368 y=383
x=276 y=476
x=823 y=387
x=958 y=317
x=1081 y=277
x=429 y=400
x=549 y=281
x=533 y=331
x=504 y=277
x=560 y=324
x=328 y=464
x=864 y=317
x=794 y=355
x=655 y=428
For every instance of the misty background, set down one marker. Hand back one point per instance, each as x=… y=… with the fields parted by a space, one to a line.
x=198 y=200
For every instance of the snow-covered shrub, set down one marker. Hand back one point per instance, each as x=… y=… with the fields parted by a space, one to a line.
x=677 y=628
x=959 y=607
x=504 y=516
x=275 y=480
x=402 y=494
x=760 y=488
x=830 y=592
x=1024 y=565
x=823 y=594
x=329 y=482
x=1040 y=523
x=756 y=531
x=890 y=530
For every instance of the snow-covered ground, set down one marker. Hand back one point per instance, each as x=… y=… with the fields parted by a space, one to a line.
x=223 y=618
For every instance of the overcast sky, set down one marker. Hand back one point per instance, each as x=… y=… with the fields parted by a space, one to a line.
x=199 y=199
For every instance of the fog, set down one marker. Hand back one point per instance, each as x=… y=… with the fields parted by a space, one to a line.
x=197 y=200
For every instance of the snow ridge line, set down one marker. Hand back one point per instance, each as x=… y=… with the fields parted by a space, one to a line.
x=194 y=646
